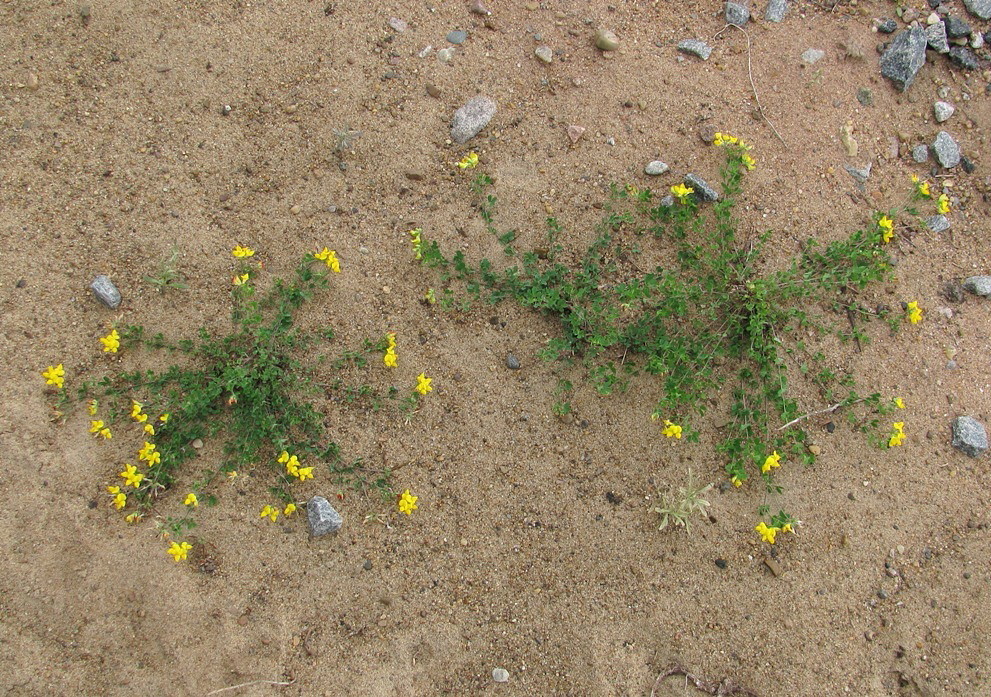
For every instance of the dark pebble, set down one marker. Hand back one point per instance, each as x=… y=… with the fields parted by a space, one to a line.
x=830 y=427
x=512 y=362
x=882 y=594
x=21 y=283
x=968 y=164
x=964 y=57
x=887 y=26
x=721 y=563
x=367 y=566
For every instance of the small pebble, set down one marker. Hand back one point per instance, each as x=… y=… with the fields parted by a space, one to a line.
x=736 y=13
x=887 y=26
x=500 y=675
x=512 y=362
x=721 y=563
x=920 y=153
x=445 y=55
x=695 y=47
x=544 y=53
x=606 y=40
x=479 y=8
x=942 y=111
x=105 y=291
x=655 y=168
x=397 y=24
x=702 y=188
x=367 y=565
x=457 y=37
x=813 y=55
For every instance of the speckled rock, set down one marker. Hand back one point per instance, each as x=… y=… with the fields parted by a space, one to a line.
x=776 y=10
x=969 y=436
x=946 y=150
x=470 y=119
x=979 y=285
x=702 y=189
x=920 y=153
x=938 y=223
x=903 y=58
x=979 y=8
x=942 y=111
x=105 y=291
x=606 y=40
x=696 y=47
x=322 y=517
x=964 y=57
x=655 y=168
x=737 y=13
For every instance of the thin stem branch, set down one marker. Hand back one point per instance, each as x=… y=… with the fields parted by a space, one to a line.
x=827 y=410
x=248 y=684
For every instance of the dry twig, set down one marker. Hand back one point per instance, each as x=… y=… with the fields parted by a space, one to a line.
x=248 y=684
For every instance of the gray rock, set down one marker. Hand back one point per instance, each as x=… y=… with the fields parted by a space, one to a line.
x=667 y=201
x=105 y=291
x=887 y=26
x=737 y=13
x=479 y=8
x=942 y=111
x=322 y=516
x=938 y=223
x=920 y=153
x=606 y=40
x=776 y=10
x=967 y=165
x=865 y=96
x=813 y=55
x=979 y=8
x=703 y=191
x=655 y=168
x=445 y=55
x=956 y=28
x=457 y=36
x=969 y=436
x=936 y=37
x=397 y=24
x=472 y=118
x=946 y=150
x=544 y=53
x=901 y=61
x=696 y=47
x=512 y=362
x=976 y=42
x=500 y=675
x=859 y=173
x=964 y=57
x=979 y=285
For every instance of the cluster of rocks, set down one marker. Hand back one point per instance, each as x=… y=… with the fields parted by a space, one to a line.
x=941 y=32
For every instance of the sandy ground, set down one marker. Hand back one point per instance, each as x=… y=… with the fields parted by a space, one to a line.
x=533 y=549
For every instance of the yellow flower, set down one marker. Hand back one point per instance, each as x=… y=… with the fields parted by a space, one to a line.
x=95 y=426
x=55 y=375
x=290 y=509
x=767 y=534
x=146 y=451
x=469 y=161
x=391 y=339
x=270 y=513
x=886 y=226
x=417 y=243
x=304 y=473
x=242 y=252
x=178 y=550
x=135 y=409
x=748 y=161
x=943 y=204
x=682 y=192
x=149 y=429
x=329 y=257
x=133 y=517
x=773 y=460
x=113 y=490
x=914 y=312
x=105 y=434
x=191 y=500
x=131 y=476
x=407 y=503
x=241 y=280
x=899 y=402
x=389 y=358
x=232 y=475
x=111 y=342
x=91 y=407
x=164 y=418
x=120 y=500
x=154 y=458
x=921 y=186
x=737 y=482
x=898 y=436
x=787 y=528
x=423 y=384
x=724 y=139
x=671 y=430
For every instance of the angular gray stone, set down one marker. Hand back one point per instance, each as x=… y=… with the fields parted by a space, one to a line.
x=938 y=223
x=887 y=26
x=969 y=436
x=512 y=362
x=776 y=10
x=667 y=201
x=457 y=36
x=472 y=118
x=920 y=153
x=606 y=40
x=397 y=24
x=946 y=150
x=737 y=13
x=956 y=28
x=105 y=291
x=859 y=173
x=322 y=517
x=813 y=55
x=979 y=8
x=936 y=37
x=979 y=285
x=696 y=47
x=964 y=57
x=901 y=61
x=702 y=189
x=942 y=111
x=544 y=53
x=655 y=168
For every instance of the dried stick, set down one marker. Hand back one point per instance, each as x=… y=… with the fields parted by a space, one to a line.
x=827 y=410
x=248 y=684
x=753 y=86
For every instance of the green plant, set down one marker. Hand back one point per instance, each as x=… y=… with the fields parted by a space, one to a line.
x=680 y=507
x=712 y=319
x=168 y=276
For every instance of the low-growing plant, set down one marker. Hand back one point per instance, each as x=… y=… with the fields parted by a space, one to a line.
x=678 y=508
x=168 y=276
x=251 y=387
x=711 y=320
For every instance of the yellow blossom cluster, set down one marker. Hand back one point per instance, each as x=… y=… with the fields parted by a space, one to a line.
x=469 y=161
x=417 y=242
x=101 y=430
x=329 y=257
x=390 y=356
x=111 y=342
x=886 y=226
x=178 y=550
x=119 y=497
x=921 y=187
x=773 y=460
x=726 y=139
x=943 y=204
x=240 y=252
x=54 y=375
x=671 y=429
x=914 y=312
x=407 y=503
x=897 y=435
x=131 y=476
x=150 y=454
x=768 y=533
x=682 y=192
x=294 y=468
x=423 y=384
x=272 y=512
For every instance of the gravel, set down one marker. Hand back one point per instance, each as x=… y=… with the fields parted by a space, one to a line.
x=964 y=57
x=606 y=40
x=956 y=28
x=457 y=37
x=512 y=362
x=500 y=675
x=887 y=26
x=544 y=53
x=920 y=153
x=969 y=436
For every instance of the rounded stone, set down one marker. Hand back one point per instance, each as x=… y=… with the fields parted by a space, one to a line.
x=655 y=168
x=606 y=40
x=544 y=53
x=500 y=675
